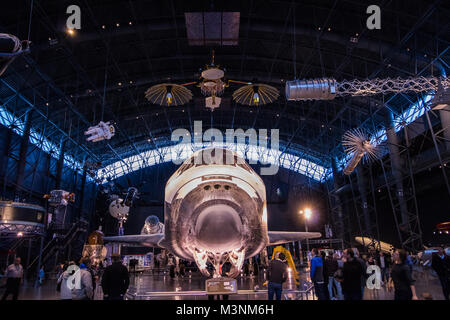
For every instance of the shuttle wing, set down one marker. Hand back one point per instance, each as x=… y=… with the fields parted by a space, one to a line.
x=280 y=237
x=146 y=240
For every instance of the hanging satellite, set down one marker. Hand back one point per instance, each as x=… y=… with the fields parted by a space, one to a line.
x=212 y=84
x=120 y=208
x=256 y=94
x=358 y=143
x=168 y=94
x=10 y=48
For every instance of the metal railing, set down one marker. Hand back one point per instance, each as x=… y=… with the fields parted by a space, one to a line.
x=306 y=294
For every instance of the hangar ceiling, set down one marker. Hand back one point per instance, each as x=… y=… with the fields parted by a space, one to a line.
x=124 y=47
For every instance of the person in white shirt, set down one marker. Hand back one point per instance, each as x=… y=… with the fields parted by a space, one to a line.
x=65 y=292
x=14 y=275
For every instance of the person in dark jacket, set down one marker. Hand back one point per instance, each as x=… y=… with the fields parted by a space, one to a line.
x=332 y=266
x=353 y=273
x=316 y=273
x=384 y=262
x=440 y=262
x=401 y=277
x=276 y=275
x=115 y=280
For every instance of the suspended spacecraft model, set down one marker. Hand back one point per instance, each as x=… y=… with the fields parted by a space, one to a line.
x=215 y=211
x=102 y=131
x=212 y=84
x=358 y=143
x=120 y=208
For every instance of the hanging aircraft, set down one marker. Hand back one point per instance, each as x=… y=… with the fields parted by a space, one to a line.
x=215 y=211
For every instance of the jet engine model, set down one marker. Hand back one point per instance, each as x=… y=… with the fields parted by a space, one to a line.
x=215 y=211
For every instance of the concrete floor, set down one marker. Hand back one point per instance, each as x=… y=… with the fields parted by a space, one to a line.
x=144 y=284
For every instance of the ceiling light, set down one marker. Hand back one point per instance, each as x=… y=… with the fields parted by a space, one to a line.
x=70 y=31
x=117 y=24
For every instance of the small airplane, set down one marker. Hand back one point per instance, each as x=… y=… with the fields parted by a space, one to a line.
x=215 y=211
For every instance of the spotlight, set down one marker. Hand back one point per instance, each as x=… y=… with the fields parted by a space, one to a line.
x=20 y=234
x=308 y=213
x=70 y=31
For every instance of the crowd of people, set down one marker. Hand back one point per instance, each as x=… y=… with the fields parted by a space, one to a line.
x=345 y=277
x=334 y=276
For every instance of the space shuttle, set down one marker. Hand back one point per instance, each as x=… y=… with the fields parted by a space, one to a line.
x=214 y=211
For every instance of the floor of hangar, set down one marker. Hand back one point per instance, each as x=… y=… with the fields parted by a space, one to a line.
x=144 y=286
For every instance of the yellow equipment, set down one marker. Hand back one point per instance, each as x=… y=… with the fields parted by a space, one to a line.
x=290 y=261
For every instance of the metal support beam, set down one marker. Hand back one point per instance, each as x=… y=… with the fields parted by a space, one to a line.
x=83 y=185
x=41 y=247
x=23 y=150
x=396 y=166
x=444 y=115
x=335 y=202
x=362 y=187
x=4 y=158
x=60 y=164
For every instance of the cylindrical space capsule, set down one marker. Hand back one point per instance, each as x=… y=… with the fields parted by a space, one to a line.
x=315 y=89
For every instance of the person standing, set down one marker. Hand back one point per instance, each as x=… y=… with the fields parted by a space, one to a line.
x=353 y=272
x=276 y=276
x=440 y=262
x=41 y=276
x=115 y=280
x=316 y=273
x=383 y=263
x=332 y=266
x=358 y=258
x=401 y=277
x=62 y=286
x=85 y=291
x=14 y=275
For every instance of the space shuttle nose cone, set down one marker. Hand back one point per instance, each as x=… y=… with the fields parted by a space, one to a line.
x=218 y=228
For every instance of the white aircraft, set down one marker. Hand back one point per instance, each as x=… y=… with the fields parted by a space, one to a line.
x=215 y=211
